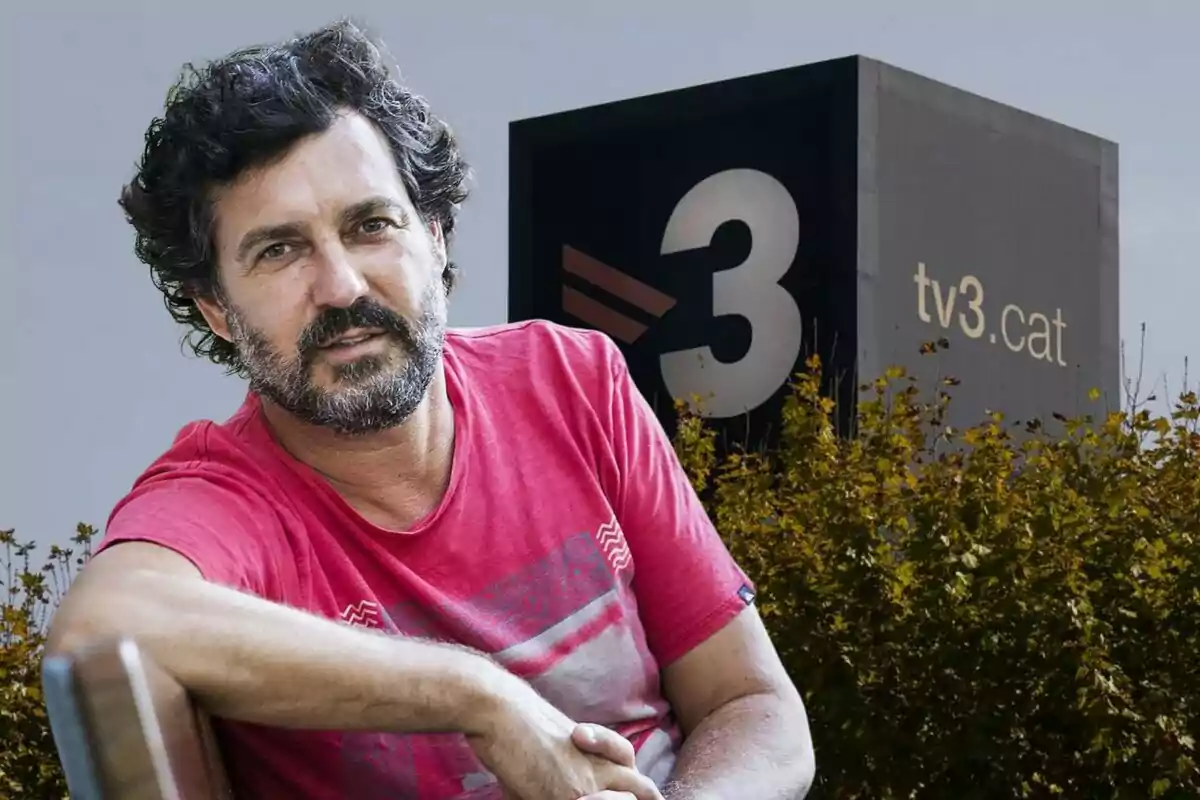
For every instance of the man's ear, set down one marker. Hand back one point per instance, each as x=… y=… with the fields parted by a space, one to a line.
x=214 y=314
x=439 y=241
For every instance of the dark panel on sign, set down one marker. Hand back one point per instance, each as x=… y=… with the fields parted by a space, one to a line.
x=709 y=231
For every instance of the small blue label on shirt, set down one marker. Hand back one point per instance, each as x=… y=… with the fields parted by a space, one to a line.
x=747 y=594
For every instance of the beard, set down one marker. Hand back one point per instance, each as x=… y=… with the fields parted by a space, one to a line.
x=373 y=393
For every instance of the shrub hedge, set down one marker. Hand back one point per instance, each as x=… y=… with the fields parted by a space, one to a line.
x=995 y=612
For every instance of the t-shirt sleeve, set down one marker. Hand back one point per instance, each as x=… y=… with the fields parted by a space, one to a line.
x=208 y=517
x=687 y=584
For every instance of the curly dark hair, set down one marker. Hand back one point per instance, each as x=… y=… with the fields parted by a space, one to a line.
x=246 y=110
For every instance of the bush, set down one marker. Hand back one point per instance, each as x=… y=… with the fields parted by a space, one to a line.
x=29 y=765
x=994 y=612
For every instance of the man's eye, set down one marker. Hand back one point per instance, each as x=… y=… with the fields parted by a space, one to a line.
x=277 y=250
x=375 y=225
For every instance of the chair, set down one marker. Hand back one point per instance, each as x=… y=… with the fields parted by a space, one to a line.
x=126 y=730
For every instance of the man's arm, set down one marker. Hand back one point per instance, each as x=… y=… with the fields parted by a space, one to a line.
x=745 y=727
x=746 y=730
x=247 y=659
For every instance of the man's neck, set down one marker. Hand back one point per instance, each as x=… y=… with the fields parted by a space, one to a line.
x=394 y=477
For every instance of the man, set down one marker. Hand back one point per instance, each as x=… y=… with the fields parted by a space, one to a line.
x=416 y=562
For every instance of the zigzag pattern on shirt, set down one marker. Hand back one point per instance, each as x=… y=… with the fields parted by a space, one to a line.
x=612 y=542
x=364 y=614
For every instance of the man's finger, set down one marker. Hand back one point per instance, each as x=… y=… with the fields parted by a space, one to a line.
x=600 y=741
x=624 y=780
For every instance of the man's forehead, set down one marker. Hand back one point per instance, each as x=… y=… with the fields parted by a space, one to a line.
x=323 y=176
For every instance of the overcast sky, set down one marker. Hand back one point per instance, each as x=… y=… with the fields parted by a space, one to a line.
x=93 y=383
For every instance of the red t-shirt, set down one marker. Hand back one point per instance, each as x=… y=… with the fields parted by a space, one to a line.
x=569 y=545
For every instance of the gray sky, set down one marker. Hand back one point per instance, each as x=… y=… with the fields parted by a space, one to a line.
x=96 y=386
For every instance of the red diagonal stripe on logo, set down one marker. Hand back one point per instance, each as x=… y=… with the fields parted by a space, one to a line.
x=616 y=283
x=601 y=317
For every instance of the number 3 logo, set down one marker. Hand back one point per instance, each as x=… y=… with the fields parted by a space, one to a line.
x=750 y=290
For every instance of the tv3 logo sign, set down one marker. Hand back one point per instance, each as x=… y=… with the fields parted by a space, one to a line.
x=750 y=290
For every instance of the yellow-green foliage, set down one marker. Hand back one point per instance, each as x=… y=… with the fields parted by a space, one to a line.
x=968 y=616
x=976 y=614
x=29 y=766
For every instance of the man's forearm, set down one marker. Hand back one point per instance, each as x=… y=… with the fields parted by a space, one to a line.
x=248 y=659
x=757 y=746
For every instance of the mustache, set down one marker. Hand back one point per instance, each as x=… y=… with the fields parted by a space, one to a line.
x=363 y=313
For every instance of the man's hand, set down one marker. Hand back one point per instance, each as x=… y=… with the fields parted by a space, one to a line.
x=530 y=746
x=600 y=741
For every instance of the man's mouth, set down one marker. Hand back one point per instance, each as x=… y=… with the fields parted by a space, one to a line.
x=350 y=339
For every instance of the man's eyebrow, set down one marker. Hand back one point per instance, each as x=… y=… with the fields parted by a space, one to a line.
x=352 y=213
x=373 y=205
x=264 y=234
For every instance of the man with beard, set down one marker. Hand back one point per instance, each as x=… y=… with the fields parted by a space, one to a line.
x=416 y=562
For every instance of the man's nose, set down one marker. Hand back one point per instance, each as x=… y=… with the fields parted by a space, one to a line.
x=338 y=281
